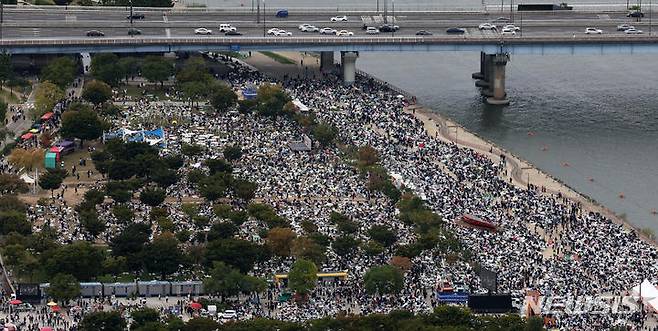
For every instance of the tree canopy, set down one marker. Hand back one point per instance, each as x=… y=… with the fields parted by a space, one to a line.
x=302 y=277
x=97 y=92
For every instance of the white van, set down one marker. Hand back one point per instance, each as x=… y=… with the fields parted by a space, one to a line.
x=227 y=28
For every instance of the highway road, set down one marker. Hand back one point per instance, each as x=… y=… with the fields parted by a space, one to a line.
x=73 y=24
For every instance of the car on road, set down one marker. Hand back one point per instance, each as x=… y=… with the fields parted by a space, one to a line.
x=507 y=32
x=339 y=18
x=327 y=31
x=202 y=31
x=232 y=33
x=134 y=32
x=136 y=16
x=344 y=33
x=487 y=26
x=372 y=30
x=423 y=33
x=282 y=33
x=272 y=31
x=513 y=27
x=455 y=31
x=282 y=13
x=624 y=27
x=502 y=19
x=633 y=31
x=636 y=13
x=593 y=31
x=310 y=28
x=389 y=28
x=227 y=28
x=95 y=33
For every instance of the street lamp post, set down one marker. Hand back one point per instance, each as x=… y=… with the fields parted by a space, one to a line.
x=258 y=11
x=264 y=18
x=2 y=15
x=131 y=13
x=393 y=3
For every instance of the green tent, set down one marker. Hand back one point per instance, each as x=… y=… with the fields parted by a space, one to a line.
x=51 y=160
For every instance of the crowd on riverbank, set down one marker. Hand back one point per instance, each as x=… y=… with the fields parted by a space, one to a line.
x=544 y=242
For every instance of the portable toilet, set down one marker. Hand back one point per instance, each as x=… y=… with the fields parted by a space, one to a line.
x=51 y=160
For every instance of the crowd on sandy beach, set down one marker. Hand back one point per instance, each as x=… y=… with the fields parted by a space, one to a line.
x=544 y=241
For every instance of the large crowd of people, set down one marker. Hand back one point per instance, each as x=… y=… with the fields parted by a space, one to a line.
x=544 y=242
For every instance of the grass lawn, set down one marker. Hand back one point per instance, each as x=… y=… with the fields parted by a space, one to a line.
x=9 y=97
x=278 y=58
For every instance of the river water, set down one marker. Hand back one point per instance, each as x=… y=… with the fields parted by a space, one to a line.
x=598 y=114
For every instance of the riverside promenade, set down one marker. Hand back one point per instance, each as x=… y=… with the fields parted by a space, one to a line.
x=519 y=172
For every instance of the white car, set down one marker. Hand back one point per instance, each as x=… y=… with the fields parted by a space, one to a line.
x=624 y=27
x=593 y=31
x=508 y=32
x=487 y=26
x=633 y=31
x=202 y=31
x=273 y=31
x=344 y=33
x=327 y=31
x=302 y=26
x=226 y=28
x=310 y=28
x=282 y=33
x=372 y=30
x=339 y=18
x=512 y=27
x=229 y=314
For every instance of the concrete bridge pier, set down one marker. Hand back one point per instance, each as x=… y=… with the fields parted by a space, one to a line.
x=327 y=61
x=348 y=62
x=480 y=74
x=497 y=80
x=486 y=64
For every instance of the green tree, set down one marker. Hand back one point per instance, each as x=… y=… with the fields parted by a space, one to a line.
x=194 y=70
x=232 y=152
x=14 y=221
x=279 y=240
x=152 y=196
x=162 y=256
x=382 y=235
x=52 y=179
x=46 y=96
x=64 y=288
x=83 y=124
x=345 y=245
x=143 y=316
x=324 y=134
x=244 y=189
x=201 y=324
x=3 y=112
x=106 y=67
x=224 y=280
x=302 y=277
x=307 y=248
x=270 y=100
x=193 y=91
x=368 y=156
x=157 y=69
x=130 y=66
x=222 y=98
x=239 y=253
x=214 y=187
x=97 y=92
x=61 y=71
x=103 y=321
x=92 y=223
x=384 y=279
x=123 y=214
x=222 y=230
x=130 y=243
x=12 y=184
x=80 y=259
x=95 y=196
x=451 y=316
x=6 y=70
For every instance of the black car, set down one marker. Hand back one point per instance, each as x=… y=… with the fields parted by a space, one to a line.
x=635 y=14
x=95 y=33
x=134 y=32
x=423 y=33
x=456 y=30
x=136 y=16
x=232 y=33
x=388 y=28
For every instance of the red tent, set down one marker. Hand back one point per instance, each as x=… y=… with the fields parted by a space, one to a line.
x=27 y=136
x=15 y=302
x=47 y=116
x=195 y=305
x=55 y=308
x=46 y=328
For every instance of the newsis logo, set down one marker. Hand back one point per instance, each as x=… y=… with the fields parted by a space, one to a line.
x=602 y=304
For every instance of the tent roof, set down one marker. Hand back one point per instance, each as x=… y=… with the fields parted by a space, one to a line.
x=646 y=289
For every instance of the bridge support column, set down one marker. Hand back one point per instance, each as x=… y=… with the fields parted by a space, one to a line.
x=486 y=64
x=497 y=80
x=348 y=62
x=480 y=74
x=326 y=61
